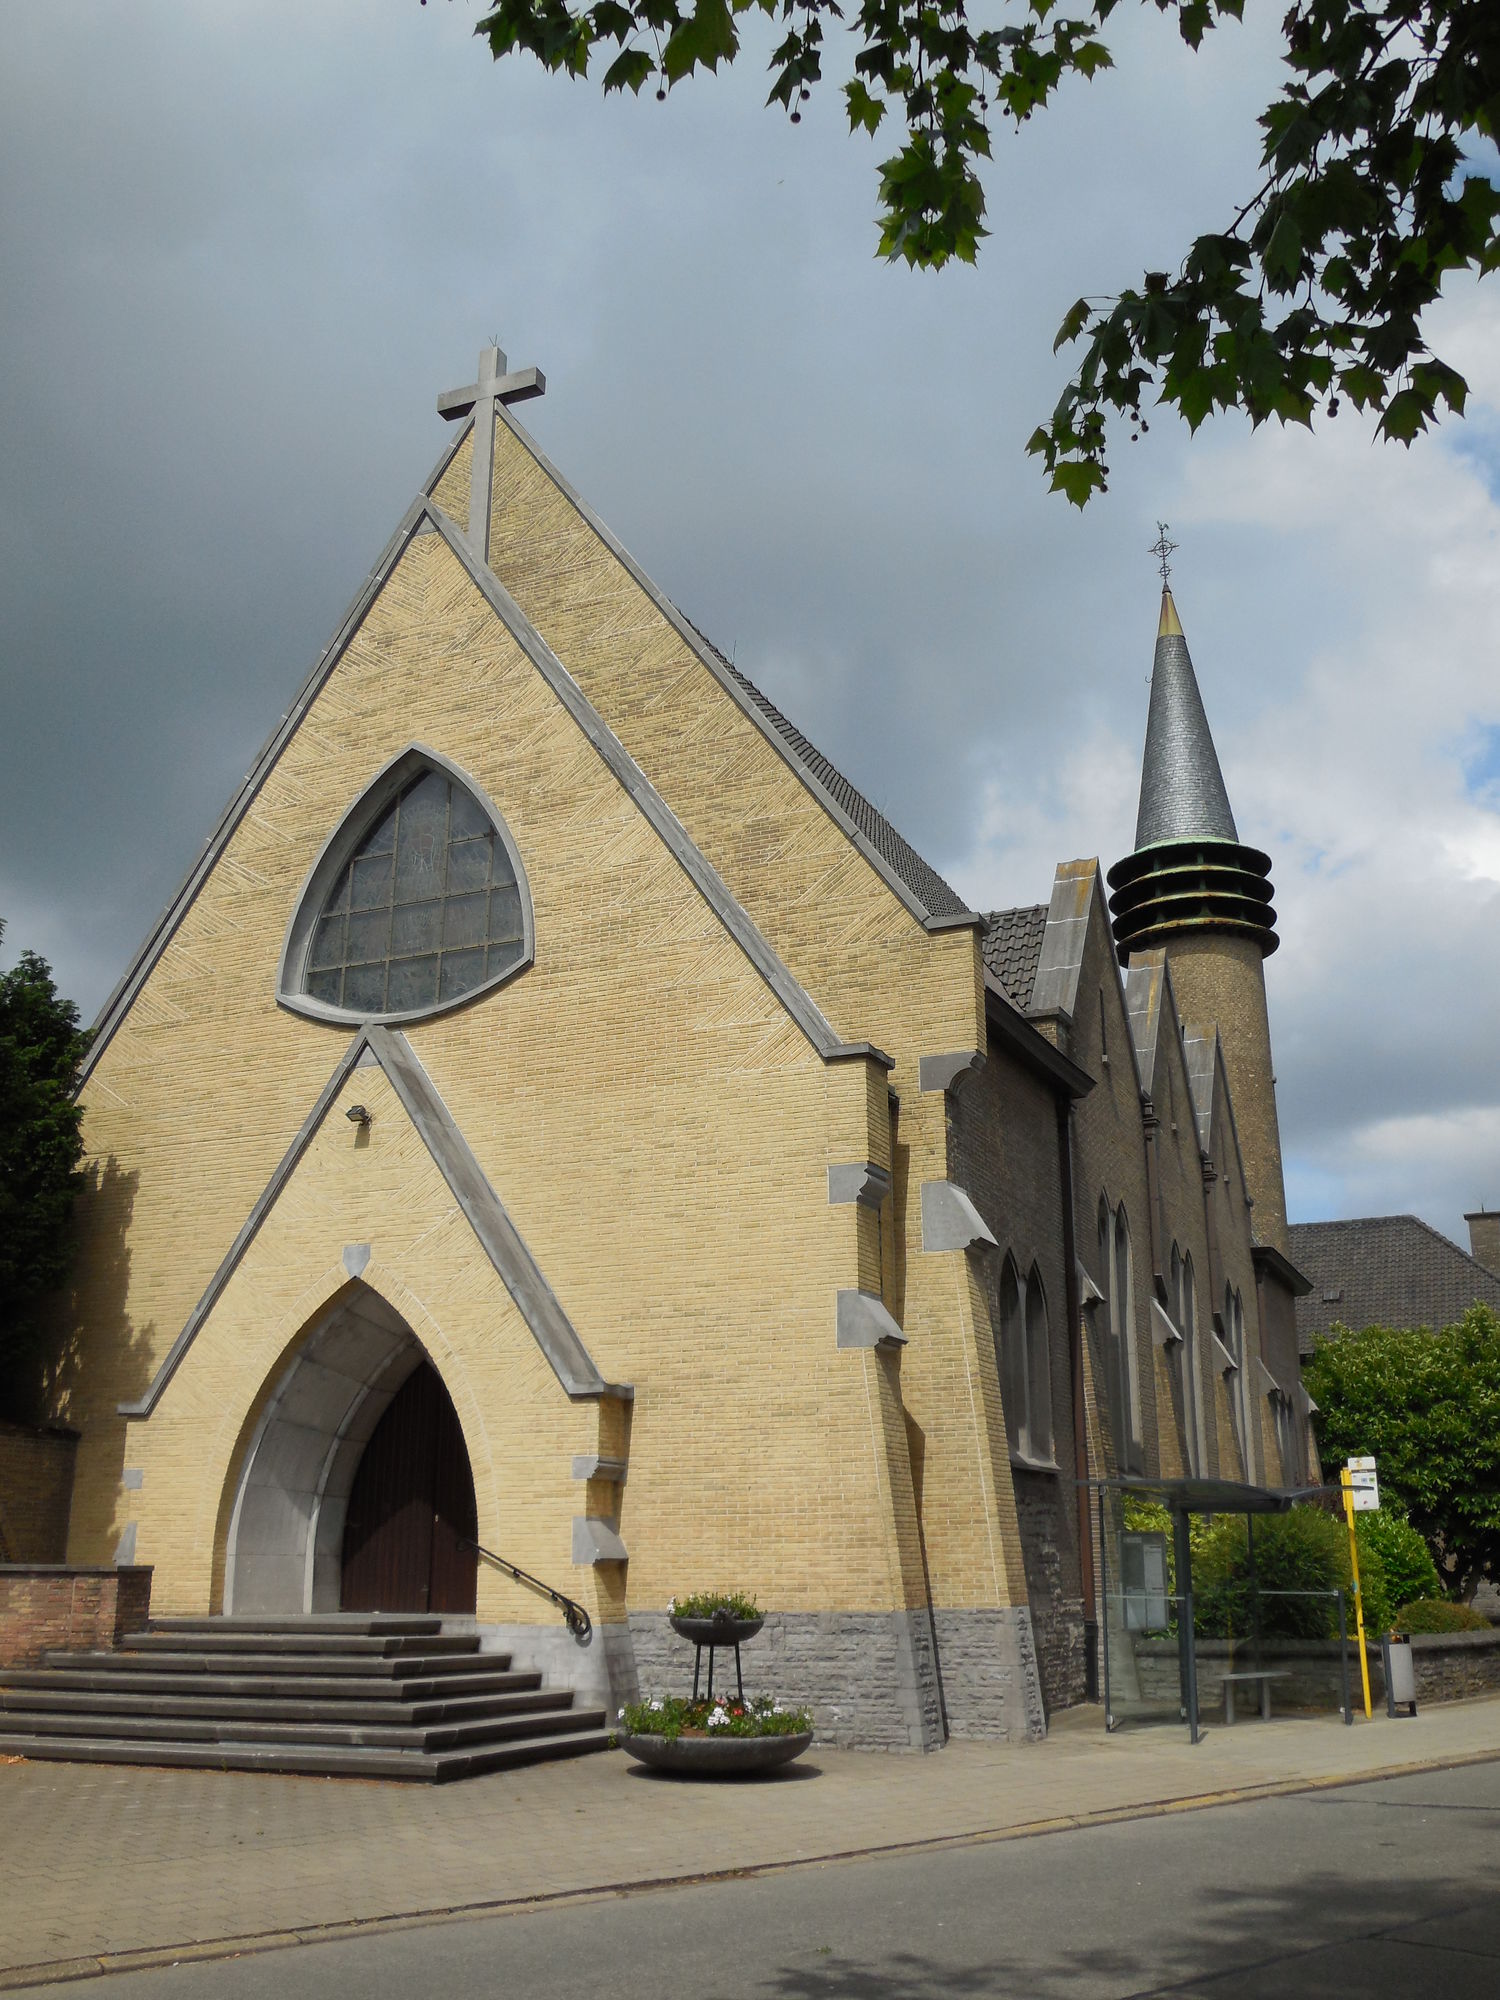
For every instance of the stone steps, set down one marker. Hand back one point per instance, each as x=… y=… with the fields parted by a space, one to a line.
x=332 y=1762
x=353 y=1696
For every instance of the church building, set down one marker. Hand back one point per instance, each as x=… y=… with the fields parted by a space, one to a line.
x=560 y=1126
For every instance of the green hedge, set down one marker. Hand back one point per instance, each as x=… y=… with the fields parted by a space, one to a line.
x=1440 y=1614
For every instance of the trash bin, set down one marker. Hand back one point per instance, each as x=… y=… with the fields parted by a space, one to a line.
x=1400 y=1675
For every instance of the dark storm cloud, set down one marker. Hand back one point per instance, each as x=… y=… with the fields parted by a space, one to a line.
x=243 y=250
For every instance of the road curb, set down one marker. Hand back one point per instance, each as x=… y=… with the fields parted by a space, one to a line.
x=62 y=1971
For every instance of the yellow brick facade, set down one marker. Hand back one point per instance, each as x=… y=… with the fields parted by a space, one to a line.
x=660 y=1131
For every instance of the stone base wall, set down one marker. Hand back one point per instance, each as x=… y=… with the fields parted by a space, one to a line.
x=1451 y=1666
x=46 y=1608
x=36 y=1492
x=992 y=1685
x=870 y=1678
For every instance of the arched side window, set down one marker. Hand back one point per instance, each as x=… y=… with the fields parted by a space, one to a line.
x=417 y=902
x=1174 y=1287
x=1124 y=1302
x=1239 y=1387
x=1024 y=1356
x=1012 y=1356
x=1038 y=1368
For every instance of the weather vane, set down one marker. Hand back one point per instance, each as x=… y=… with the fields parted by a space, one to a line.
x=1162 y=549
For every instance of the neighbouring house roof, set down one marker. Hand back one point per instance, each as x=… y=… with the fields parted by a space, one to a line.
x=1384 y=1270
x=1013 y=949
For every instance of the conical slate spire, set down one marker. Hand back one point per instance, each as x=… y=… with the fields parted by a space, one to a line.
x=1182 y=787
x=1189 y=872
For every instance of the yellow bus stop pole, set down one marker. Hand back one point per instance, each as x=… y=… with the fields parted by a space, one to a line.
x=1346 y=1481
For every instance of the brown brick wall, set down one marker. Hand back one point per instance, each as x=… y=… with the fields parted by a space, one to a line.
x=45 y=1608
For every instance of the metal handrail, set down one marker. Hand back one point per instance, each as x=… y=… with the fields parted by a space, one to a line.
x=575 y=1617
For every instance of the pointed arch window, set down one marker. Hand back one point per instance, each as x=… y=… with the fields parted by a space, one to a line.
x=1025 y=1360
x=418 y=902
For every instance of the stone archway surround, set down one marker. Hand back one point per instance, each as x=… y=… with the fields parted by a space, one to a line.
x=286 y=1527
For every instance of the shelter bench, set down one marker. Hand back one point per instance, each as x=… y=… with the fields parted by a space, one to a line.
x=1262 y=1678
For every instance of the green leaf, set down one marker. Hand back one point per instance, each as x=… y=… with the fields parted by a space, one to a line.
x=1077 y=479
x=1074 y=321
x=629 y=71
x=704 y=40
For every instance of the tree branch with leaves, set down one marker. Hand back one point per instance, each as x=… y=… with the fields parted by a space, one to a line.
x=1374 y=189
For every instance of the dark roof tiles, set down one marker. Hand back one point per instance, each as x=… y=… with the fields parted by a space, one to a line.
x=1384 y=1270
x=1013 y=949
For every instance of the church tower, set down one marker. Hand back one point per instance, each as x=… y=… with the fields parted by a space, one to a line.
x=1193 y=888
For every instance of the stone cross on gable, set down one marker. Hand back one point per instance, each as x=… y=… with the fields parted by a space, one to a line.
x=494 y=385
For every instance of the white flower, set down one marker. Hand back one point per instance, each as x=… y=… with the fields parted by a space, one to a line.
x=619 y=1715
x=657 y=1704
x=671 y=1604
x=718 y=1719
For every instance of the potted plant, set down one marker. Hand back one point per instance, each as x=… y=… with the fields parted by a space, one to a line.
x=719 y=1737
x=716 y=1617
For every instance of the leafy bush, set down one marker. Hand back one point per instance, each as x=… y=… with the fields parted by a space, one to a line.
x=673 y=1716
x=1438 y=1614
x=704 y=1603
x=1427 y=1404
x=1392 y=1541
x=1304 y=1550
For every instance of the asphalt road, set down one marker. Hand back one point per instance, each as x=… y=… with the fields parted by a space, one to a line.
x=1385 y=1889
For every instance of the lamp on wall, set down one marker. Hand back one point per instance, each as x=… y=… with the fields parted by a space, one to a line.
x=357 y=1115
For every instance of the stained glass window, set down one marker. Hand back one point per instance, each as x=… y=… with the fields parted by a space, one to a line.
x=426 y=908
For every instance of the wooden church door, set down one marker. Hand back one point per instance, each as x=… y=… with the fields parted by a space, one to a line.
x=411 y=1508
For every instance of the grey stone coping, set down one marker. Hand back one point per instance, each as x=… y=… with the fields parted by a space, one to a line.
x=485 y=1212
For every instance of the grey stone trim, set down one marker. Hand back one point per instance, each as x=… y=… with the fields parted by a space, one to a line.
x=596 y=1541
x=947 y=1072
x=125 y=1548
x=356 y=1259
x=1164 y=1332
x=683 y=627
x=858 y=1180
x=353 y=824
x=120 y=1001
x=587 y=1465
x=869 y=1677
x=498 y=1237
x=1227 y=1363
x=133 y=1478
x=145 y=1404
x=950 y=1221
x=992 y=1685
x=1268 y=1381
x=864 y=1322
x=798 y=1003
x=1064 y=941
x=601 y=1673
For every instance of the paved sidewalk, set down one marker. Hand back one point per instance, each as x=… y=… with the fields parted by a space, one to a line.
x=115 y=1866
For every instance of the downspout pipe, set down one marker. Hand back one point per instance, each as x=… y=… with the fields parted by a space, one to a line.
x=1064 y=1107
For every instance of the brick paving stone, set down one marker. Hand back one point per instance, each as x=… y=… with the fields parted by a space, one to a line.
x=101 y=1860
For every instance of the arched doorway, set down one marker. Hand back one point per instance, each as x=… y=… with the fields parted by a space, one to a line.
x=410 y=1525
x=289 y=1526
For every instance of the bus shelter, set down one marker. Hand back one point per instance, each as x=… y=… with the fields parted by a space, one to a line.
x=1147 y=1598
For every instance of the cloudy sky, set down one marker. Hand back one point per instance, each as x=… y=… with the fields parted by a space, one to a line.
x=245 y=245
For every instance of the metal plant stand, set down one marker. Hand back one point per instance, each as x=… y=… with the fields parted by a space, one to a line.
x=711 y=1635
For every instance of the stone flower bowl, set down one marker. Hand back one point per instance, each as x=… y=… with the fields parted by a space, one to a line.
x=716 y=1756
x=720 y=1630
